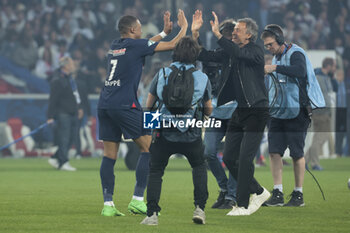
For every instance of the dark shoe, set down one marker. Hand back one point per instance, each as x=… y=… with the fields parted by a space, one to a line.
x=220 y=200
x=228 y=204
x=276 y=199
x=296 y=199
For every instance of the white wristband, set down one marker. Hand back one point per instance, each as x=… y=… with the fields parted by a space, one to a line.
x=163 y=34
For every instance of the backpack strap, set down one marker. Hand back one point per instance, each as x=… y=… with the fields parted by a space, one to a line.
x=192 y=69
x=173 y=67
x=164 y=75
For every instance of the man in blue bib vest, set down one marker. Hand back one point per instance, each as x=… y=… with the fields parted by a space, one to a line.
x=119 y=111
x=182 y=138
x=290 y=110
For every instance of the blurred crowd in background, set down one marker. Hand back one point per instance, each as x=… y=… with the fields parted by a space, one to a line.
x=35 y=34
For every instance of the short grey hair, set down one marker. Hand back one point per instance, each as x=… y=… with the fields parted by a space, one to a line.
x=252 y=28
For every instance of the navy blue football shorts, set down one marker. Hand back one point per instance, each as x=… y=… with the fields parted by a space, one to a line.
x=288 y=133
x=113 y=123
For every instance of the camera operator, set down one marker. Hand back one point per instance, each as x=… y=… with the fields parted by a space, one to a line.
x=218 y=71
x=290 y=118
x=245 y=84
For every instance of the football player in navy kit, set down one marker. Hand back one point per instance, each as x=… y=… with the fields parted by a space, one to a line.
x=119 y=111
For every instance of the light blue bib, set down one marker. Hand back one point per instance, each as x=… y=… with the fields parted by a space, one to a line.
x=286 y=105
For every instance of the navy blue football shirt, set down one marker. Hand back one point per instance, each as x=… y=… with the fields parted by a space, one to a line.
x=125 y=61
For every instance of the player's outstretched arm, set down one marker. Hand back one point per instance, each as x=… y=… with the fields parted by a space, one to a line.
x=197 y=22
x=168 y=26
x=169 y=45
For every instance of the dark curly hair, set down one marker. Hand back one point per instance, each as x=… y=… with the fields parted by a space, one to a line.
x=186 y=50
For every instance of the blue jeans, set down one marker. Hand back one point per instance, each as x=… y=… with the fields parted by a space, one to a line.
x=67 y=128
x=212 y=141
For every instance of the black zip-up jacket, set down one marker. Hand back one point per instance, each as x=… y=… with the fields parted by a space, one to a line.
x=61 y=99
x=247 y=75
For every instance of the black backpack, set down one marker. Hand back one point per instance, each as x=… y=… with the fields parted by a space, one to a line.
x=177 y=94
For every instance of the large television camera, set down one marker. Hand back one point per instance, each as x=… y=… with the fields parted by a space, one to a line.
x=213 y=71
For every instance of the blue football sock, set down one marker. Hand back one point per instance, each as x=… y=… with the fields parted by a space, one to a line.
x=107 y=178
x=142 y=169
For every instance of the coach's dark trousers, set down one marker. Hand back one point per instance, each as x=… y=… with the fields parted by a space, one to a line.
x=243 y=137
x=161 y=150
x=67 y=128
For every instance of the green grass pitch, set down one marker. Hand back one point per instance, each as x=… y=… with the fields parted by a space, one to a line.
x=36 y=198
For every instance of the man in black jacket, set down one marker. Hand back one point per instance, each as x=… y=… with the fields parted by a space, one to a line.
x=65 y=108
x=245 y=84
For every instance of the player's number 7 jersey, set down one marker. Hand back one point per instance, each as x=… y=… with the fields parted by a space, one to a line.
x=125 y=62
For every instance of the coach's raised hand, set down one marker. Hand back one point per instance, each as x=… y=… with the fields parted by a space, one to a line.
x=215 y=26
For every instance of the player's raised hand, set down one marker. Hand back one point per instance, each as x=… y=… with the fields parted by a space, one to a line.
x=197 y=21
x=168 y=25
x=215 y=25
x=181 y=19
x=169 y=45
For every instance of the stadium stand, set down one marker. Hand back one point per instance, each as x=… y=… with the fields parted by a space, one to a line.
x=35 y=34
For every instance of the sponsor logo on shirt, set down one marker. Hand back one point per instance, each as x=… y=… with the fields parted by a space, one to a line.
x=117 y=52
